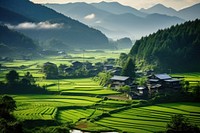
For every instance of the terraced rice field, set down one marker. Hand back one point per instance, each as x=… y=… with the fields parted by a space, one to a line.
x=151 y=118
x=45 y=113
x=73 y=115
x=45 y=106
x=75 y=87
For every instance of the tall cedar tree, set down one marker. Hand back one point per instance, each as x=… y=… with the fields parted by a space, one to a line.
x=129 y=68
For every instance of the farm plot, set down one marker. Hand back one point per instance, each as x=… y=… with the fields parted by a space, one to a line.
x=150 y=118
x=45 y=106
x=85 y=87
x=73 y=115
x=45 y=113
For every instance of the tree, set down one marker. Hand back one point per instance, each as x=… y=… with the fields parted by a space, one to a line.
x=50 y=70
x=12 y=77
x=30 y=78
x=129 y=68
x=196 y=92
x=179 y=123
x=122 y=59
x=7 y=105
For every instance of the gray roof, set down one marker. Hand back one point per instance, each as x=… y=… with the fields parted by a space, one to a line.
x=173 y=80
x=163 y=76
x=153 y=80
x=120 y=78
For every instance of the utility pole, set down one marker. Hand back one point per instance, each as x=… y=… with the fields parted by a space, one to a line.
x=83 y=55
x=58 y=85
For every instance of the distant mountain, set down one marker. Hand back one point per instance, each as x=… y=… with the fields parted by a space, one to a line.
x=81 y=11
x=124 y=43
x=13 y=42
x=47 y=24
x=176 y=48
x=115 y=24
x=190 y=13
x=117 y=8
x=160 y=9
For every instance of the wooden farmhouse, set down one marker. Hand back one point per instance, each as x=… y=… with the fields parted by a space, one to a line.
x=162 y=83
x=118 y=81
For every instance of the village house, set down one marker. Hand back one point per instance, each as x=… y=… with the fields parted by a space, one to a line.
x=119 y=81
x=162 y=83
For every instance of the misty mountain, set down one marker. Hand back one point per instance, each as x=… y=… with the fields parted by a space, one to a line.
x=160 y=9
x=81 y=11
x=117 y=8
x=13 y=42
x=115 y=25
x=189 y=13
x=48 y=24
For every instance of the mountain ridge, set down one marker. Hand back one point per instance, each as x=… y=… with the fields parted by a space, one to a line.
x=116 y=22
x=72 y=32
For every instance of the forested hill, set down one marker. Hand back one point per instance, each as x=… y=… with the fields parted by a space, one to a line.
x=176 y=48
x=13 y=42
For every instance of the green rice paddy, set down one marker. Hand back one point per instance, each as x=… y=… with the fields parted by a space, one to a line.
x=151 y=118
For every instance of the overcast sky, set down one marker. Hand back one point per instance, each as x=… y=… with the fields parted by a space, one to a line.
x=176 y=4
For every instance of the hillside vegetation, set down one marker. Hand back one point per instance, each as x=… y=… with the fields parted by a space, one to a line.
x=14 y=42
x=176 y=48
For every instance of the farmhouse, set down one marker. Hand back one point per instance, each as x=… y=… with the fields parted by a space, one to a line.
x=162 y=82
x=119 y=81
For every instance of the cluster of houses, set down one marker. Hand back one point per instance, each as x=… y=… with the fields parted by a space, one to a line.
x=93 y=69
x=161 y=83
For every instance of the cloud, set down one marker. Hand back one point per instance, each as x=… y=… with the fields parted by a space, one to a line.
x=40 y=25
x=90 y=16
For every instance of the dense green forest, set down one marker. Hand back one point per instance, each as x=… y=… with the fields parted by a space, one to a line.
x=176 y=49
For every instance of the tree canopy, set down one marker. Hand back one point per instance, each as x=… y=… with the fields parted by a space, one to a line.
x=179 y=123
x=12 y=77
x=129 y=68
x=176 y=48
